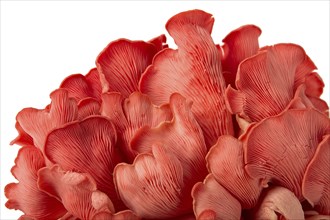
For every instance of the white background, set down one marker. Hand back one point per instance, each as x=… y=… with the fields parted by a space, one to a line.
x=43 y=42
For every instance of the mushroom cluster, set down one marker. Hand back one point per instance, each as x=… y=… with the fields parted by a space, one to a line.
x=204 y=131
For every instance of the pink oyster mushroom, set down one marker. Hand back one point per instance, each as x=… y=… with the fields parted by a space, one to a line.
x=204 y=131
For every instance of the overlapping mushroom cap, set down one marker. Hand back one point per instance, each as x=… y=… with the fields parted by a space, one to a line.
x=193 y=70
x=203 y=131
x=267 y=82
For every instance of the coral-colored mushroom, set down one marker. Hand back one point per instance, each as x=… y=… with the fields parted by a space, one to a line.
x=130 y=114
x=194 y=71
x=87 y=107
x=226 y=157
x=279 y=201
x=239 y=44
x=153 y=185
x=279 y=148
x=212 y=201
x=121 y=64
x=81 y=87
x=87 y=146
x=135 y=131
x=266 y=82
x=181 y=136
x=26 y=195
x=22 y=138
x=79 y=194
x=38 y=123
x=316 y=182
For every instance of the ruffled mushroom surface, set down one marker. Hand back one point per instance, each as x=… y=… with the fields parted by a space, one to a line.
x=239 y=44
x=153 y=185
x=213 y=201
x=26 y=195
x=87 y=146
x=130 y=114
x=227 y=157
x=204 y=131
x=194 y=71
x=80 y=87
x=122 y=62
x=279 y=201
x=38 y=123
x=316 y=182
x=181 y=136
x=267 y=81
x=279 y=148
x=79 y=194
